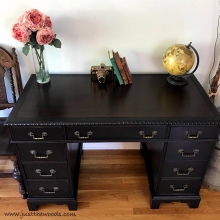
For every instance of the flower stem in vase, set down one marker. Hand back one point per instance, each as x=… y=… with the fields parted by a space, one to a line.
x=42 y=74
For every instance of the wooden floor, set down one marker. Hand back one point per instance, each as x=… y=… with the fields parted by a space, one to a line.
x=113 y=185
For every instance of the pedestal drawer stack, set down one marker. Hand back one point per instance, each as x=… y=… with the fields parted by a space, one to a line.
x=46 y=166
x=176 y=167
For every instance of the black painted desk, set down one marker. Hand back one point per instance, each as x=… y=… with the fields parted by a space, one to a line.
x=176 y=126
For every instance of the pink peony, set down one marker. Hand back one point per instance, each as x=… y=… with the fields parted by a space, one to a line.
x=34 y=29
x=20 y=33
x=45 y=36
x=47 y=22
x=33 y=19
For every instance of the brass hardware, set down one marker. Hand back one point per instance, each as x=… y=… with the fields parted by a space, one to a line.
x=191 y=136
x=55 y=189
x=195 y=151
x=78 y=134
x=176 y=170
x=52 y=171
x=178 y=190
x=31 y=134
x=34 y=152
x=152 y=136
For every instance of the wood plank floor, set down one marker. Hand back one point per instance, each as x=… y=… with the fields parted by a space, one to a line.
x=113 y=185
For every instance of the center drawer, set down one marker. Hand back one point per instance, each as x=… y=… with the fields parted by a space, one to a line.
x=115 y=132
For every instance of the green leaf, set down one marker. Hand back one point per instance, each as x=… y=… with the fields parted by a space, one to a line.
x=26 y=49
x=56 y=43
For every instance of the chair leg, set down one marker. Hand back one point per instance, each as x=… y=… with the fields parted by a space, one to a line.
x=17 y=176
x=6 y=175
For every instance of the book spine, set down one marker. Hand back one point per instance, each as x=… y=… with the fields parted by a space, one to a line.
x=116 y=70
x=126 y=69
x=120 y=67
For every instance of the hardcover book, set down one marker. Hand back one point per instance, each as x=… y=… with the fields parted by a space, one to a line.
x=115 y=67
x=120 y=67
x=126 y=69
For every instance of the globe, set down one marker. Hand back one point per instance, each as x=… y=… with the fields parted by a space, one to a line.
x=178 y=60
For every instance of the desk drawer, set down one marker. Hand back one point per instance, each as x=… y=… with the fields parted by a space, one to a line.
x=115 y=132
x=49 y=188
x=183 y=169
x=49 y=170
x=37 y=133
x=179 y=186
x=42 y=152
x=193 y=132
x=188 y=150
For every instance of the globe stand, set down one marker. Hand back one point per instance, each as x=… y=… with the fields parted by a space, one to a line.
x=177 y=80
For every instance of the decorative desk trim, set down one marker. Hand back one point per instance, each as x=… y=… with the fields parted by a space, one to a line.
x=119 y=123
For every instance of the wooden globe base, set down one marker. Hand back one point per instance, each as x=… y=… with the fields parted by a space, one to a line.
x=177 y=80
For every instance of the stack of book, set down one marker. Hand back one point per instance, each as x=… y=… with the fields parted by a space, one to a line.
x=120 y=67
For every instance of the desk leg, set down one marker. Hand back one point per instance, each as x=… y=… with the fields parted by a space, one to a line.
x=34 y=203
x=154 y=204
x=192 y=201
x=194 y=204
x=141 y=149
x=32 y=206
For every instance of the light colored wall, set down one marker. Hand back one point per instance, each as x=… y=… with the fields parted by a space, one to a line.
x=141 y=30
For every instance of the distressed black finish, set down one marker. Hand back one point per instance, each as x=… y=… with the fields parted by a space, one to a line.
x=177 y=128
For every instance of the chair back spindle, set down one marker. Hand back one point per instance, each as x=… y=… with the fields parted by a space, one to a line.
x=10 y=63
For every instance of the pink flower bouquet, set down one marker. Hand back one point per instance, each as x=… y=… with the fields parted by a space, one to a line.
x=34 y=29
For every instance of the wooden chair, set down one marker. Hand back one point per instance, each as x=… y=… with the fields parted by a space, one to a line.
x=9 y=68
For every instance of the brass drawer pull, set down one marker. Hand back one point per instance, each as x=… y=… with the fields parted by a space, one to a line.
x=178 y=190
x=191 y=136
x=39 y=171
x=195 y=151
x=152 y=136
x=177 y=171
x=55 y=189
x=31 y=134
x=34 y=152
x=78 y=134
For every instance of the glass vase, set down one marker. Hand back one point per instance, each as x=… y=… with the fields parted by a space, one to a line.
x=41 y=69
